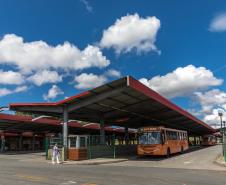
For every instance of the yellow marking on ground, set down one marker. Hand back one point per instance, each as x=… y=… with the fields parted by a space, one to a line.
x=30 y=177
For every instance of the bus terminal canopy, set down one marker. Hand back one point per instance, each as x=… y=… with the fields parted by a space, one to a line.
x=123 y=102
x=24 y=123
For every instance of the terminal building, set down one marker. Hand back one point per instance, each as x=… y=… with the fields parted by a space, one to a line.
x=115 y=109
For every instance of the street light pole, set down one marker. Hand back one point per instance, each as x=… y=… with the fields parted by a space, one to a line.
x=220 y=114
x=224 y=145
x=224 y=127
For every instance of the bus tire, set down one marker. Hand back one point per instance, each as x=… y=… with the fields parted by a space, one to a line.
x=168 y=153
x=182 y=150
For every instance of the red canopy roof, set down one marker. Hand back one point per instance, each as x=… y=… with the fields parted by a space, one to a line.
x=10 y=122
x=127 y=100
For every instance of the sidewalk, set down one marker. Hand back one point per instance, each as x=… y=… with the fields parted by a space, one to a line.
x=220 y=160
x=41 y=159
x=95 y=161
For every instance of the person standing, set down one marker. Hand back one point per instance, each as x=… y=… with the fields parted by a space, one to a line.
x=55 y=154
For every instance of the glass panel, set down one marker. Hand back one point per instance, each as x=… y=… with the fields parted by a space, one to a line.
x=73 y=141
x=82 y=142
x=150 y=138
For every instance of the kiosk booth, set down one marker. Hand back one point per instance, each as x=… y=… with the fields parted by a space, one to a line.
x=77 y=147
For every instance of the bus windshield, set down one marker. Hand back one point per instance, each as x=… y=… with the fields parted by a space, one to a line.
x=153 y=137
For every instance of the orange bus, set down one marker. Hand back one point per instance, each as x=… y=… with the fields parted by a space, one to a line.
x=209 y=140
x=161 y=141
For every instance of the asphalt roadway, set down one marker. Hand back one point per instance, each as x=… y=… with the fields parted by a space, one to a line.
x=199 y=158
x=16 y=170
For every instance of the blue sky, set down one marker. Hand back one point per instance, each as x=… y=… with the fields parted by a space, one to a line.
x=50 y=50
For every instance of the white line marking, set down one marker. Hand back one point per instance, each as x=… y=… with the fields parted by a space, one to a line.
x=187 y=162
x=68 y=182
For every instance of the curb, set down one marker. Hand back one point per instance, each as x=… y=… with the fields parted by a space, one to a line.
x=94 y=162
x=219 y=163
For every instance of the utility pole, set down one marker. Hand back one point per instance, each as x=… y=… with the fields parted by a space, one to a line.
x=220 y=114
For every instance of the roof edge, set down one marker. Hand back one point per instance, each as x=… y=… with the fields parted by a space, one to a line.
x=161 y=99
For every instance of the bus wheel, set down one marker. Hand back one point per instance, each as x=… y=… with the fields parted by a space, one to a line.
x=168 y=153
x=182 y=150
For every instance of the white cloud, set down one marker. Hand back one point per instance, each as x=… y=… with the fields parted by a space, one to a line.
x=21 y=89
x=113 y=73
x=53 y=92
x=46 y=76
x=11 y=78
x=213 y=119
x=131 y=32
x=211 y=99
x=89 y=8
x=183 y=81
x=87 y=81
x=218 y=24
x=5 y=91
x=38 y=55
x=210 y=102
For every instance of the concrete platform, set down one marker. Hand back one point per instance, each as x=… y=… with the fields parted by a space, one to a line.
x=40 y=158
x=220 y=161
x=95 y=161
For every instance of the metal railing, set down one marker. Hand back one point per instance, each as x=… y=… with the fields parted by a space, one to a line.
x=101 y=147
x=113 y=146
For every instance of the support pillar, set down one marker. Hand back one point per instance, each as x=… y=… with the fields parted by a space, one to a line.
x=102 y=132
x=195 y=140
x=78 y=142
x=46 y=145
x=20 y=142
x=127 y=135
x=33 y=142
x=65 y=134
x=189 y=141
x=2 y=143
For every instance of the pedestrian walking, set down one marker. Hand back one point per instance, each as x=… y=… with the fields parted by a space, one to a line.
x=55 y=154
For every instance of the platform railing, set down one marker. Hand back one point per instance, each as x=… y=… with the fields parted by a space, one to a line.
x=113 y=147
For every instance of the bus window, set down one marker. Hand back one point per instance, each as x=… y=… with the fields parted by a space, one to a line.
x=163 y=137
x=168 y=135
x=150 y=138
x=174 y=135
x=181 y=136
x=185 y=136
x=178 y=135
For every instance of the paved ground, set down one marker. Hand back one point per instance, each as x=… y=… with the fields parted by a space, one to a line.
x=199 y=159
x=18 y=170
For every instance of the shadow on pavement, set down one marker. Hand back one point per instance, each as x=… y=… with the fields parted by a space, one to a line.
x=40 y=153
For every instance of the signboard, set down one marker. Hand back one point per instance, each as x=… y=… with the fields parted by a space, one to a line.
x=149 y=129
